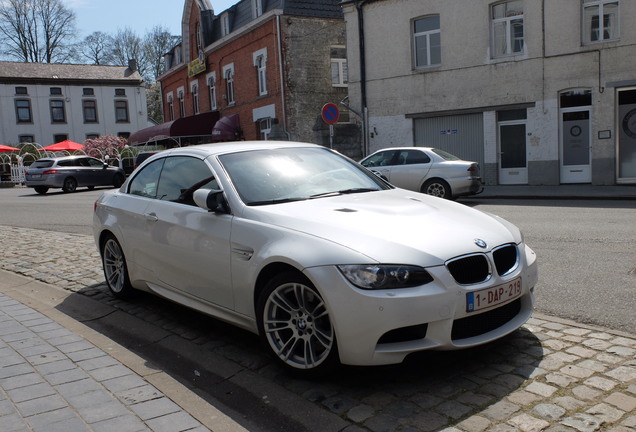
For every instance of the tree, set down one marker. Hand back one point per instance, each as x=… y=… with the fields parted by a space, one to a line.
x=38 y=31
x=105 y=145
x=156 y=43
x=153 y=102
x=96 y=48
x=128 y=46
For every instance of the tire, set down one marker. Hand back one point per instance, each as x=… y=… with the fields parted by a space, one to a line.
x=70 y=184
x=118 y=180
x=41 y=189
x=295 y=325
x=438 y=188
x=115 y=269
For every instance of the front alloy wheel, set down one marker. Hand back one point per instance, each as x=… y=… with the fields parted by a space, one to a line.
x=115 y=270
x=295 y=323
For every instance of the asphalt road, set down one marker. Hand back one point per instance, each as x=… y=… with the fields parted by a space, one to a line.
x=586 y=248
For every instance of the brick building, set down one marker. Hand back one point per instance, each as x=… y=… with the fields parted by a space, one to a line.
x=260 y=63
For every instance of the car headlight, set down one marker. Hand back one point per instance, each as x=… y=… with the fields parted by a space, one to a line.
x=385 y=276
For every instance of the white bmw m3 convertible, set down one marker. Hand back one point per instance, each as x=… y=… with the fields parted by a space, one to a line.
x=319 y=256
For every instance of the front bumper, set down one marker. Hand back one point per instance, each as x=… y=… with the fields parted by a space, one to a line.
x=383 y=327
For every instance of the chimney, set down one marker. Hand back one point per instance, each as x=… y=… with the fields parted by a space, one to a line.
x=132 y=65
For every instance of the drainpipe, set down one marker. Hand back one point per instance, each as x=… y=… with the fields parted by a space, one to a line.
x=282 y=82
x=363 y=72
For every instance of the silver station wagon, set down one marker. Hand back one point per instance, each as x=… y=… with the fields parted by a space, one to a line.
x=71 y=172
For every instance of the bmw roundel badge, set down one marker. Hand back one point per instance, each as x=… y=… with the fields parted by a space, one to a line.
x=482 y=244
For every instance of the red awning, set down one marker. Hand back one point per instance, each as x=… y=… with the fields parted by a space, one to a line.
x=196 y=125
x=227 y=129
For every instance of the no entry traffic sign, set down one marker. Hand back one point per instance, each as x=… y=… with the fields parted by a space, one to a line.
x=330 y=113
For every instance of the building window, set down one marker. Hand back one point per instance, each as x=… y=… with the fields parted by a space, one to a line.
x=88 y=92
x=92 y=136
x=257 y=8
x=90 y=111
x=194 y=89
x=225 y=24
x=123 y=135
x=507 y=28
x=21 y=90
x=26 y=139
x=212 y=91
x=56 y=91
x=427 y=44
x=600 y=21
x=120 y=92
x=59 y=138
x=170 y=103
x=23 y=111
x=339 y=70
x=260 y=62
x=181 y=98
x=58 y=114
x=228 y=73
x=121 y=112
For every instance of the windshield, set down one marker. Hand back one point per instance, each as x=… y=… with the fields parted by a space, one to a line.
x=292 y=174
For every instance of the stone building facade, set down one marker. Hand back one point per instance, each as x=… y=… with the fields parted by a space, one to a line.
x=538 y=92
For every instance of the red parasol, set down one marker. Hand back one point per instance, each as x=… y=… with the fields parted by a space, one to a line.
x=5 y=148
x=64 y=145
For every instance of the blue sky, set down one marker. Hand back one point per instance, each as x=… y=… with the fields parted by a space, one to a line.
x=140 y=15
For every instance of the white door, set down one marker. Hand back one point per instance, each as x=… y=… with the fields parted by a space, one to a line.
x=513 y=157
x=576 y=150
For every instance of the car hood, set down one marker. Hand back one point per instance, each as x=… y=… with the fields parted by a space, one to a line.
x=393 y=226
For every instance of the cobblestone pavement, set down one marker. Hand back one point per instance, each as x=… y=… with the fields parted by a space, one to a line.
x=551 y=375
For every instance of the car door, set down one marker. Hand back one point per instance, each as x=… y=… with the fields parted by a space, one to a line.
x=189 y=247
x=381 y=163
x=409 y=169
x=100 y=175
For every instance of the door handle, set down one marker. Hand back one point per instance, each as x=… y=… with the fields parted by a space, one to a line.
x=152 y=217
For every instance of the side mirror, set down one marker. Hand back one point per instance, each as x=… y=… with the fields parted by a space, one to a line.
x=211 y=200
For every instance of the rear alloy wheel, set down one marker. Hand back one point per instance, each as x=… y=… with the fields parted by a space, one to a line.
x=41 y=189
x=438 y=188
x=115 y=270
x=294 y=322
x=70 y=184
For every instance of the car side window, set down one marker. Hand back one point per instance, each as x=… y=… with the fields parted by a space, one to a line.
x=380 y=159
x=181 y=176
x=416 y=157
x=146 y=181
x=94 y=163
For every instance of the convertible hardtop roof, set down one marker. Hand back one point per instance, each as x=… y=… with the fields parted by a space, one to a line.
x=237 y=146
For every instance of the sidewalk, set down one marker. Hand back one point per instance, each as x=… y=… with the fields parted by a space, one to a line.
x=561 y=192
x=58 y=375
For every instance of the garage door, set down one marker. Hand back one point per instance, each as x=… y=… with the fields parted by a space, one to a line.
x=461 y=135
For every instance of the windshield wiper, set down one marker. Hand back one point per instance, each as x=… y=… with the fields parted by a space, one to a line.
x=276 y=201
x=342 y=192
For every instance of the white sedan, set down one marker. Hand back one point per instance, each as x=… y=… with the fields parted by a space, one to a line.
x=426 y=169
x=323 y=259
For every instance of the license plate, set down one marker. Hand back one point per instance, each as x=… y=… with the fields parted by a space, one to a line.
x=489 y=297
x=36 y=176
